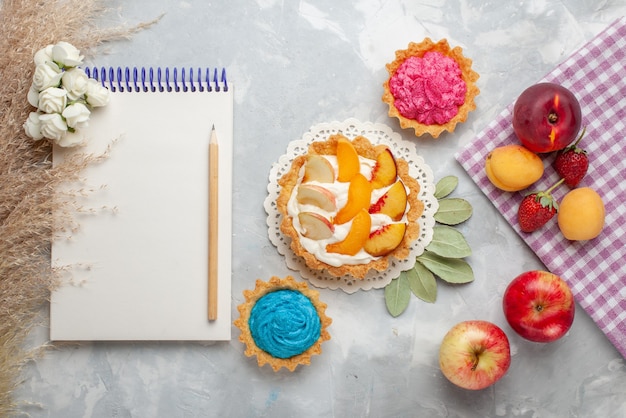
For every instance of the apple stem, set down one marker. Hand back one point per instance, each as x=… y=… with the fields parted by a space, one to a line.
x=476 y=358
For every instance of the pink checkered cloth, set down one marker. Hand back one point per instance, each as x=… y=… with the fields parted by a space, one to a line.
x=594 y=269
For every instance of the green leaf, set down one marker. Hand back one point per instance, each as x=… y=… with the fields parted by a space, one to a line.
x=422 y=283
x=453 y=211
x=451 y=270
x=448 y=242
x=397 y=295
x=445 y=186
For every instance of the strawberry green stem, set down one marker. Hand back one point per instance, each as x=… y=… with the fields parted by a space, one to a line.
x=554 y=186
x=580 y=137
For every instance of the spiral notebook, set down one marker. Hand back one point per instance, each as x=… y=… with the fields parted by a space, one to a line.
x=136 y=268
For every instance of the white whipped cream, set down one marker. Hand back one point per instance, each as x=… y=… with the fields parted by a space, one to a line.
x=340 y=190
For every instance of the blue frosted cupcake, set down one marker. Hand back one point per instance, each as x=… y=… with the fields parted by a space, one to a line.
x=283 y=323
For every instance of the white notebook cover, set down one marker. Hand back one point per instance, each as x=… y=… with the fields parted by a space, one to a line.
x=137 y=267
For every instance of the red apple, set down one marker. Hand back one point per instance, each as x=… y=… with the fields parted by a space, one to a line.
x=539 y=306
x=546 y=117
x=474 y=354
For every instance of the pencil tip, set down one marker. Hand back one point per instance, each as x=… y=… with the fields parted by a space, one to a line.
x=213 y=136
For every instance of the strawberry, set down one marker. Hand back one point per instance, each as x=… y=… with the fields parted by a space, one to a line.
x=537 y=208
x=572 y=163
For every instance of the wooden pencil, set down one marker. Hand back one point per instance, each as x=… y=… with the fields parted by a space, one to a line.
x=213 y=222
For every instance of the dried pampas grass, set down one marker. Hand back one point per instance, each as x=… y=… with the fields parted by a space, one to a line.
x=27 y=178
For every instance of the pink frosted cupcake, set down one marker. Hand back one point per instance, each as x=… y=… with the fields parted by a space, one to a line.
x=430 y=87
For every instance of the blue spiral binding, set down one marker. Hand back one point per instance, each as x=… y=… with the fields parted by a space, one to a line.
x=118 y=79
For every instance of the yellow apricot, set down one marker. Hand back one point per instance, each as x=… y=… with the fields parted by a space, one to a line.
x=581 y=214
x=494 y=180
x=513 y=167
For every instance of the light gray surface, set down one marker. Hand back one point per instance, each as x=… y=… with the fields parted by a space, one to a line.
x=296 y=64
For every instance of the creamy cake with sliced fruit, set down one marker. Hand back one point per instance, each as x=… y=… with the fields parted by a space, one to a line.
x=349 y=206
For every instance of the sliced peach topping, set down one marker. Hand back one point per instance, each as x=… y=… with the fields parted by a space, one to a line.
x=385 y=170
x=348 y=164
x=311 y=194
x=385 y=239
x=357 y=236
x=315 y=226
x=318 y=168
x=359 y=195
x=392 y=203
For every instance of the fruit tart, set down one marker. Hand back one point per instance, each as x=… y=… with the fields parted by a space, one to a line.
x=349 y=206
x=283 y=323
x=431 y=87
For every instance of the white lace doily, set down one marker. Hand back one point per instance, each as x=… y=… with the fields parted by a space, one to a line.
x=376 y=133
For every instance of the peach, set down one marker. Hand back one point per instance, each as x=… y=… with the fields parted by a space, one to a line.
x=392 y=203
x=357 y=235
x=348 y=164
x=318 y=168
x=385 y=239
x=315 y=226
x=311 y=194
x=512 y=167
x=385 y=170
x=581 y=214
x=359 y=195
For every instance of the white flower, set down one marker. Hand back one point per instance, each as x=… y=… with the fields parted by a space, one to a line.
x=63 y=95
x=66 y=54
x=43 y=55
x=52 y=100
x=52 y=126
x=74 y=81
x=76 y=115
x=33 y=96
x=46 y=75
x=70 y=139
x=97 y=94
x=32 y=126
